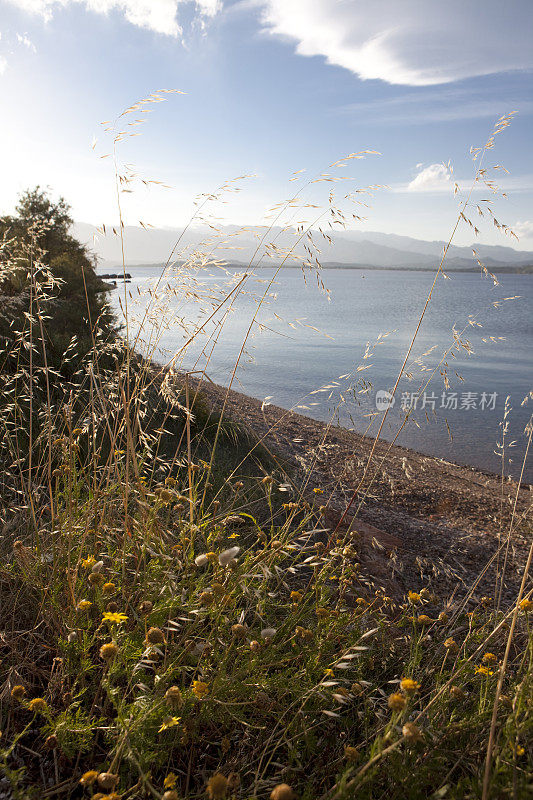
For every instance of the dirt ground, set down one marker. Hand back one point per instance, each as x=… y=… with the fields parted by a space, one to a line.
x=420 y=521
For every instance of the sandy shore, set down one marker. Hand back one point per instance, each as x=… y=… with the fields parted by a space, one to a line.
x=440 y=522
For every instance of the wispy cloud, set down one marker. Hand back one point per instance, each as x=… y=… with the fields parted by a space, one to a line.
x=410 y=44
x=26 y=41
x=160 y=16
x=436 y=105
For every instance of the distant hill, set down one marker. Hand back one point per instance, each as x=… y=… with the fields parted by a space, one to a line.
x=350 y=249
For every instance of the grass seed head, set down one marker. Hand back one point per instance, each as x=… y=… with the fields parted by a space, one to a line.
x=217 y=786
x=206 y=598
x=155 y=636
x=396 y=702
x=107 y=781
x=456 y=693
x=174 y=697
x=18 y=692
x=109 y=651
x=412 y=733
x=282 y=792
x=351 y=753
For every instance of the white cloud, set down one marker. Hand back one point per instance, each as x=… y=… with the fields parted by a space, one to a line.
x=441 y=178
x=435 y=178
x=3 y=65
x=26 y=41
x=412 y=43
x=156 y=15
x=524 y=229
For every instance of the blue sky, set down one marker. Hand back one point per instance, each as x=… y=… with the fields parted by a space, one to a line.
x=271 y=86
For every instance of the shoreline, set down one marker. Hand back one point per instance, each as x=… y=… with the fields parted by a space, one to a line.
x=440 y=521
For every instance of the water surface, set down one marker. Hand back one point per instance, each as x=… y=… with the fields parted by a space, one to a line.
x=287 y=362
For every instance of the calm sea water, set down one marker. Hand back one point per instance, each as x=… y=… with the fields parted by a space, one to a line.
x=353 y=356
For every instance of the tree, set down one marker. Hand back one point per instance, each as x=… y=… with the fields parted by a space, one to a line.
x=46 y=269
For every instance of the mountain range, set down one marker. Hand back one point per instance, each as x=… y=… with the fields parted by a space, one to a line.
x=348 y=248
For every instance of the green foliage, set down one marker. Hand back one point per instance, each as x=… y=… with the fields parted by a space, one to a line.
x=283 y=706
x=54 y=293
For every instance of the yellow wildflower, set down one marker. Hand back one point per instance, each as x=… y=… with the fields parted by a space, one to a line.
x=88 y=778
x=200 y=689
x=489 y=658
x=38 y=705
x=451 y=644
x=170 y=781
x=484 y=671
x=115 y=617
x=409 y=686
x=83 y=605
x=526 y=605
x=413 y=597
x=169 y=722
x=88 y=562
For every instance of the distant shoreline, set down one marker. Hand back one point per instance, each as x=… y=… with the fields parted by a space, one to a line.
x=503 y=270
